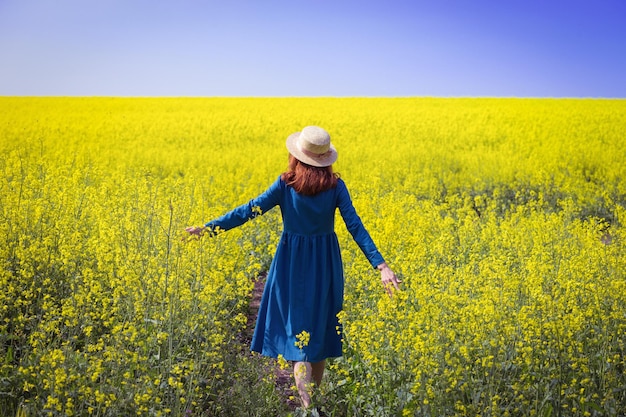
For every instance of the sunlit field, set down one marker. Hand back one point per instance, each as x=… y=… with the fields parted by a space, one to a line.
x=505 y=219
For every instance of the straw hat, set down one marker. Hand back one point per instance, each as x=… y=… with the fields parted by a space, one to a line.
x=312 y=146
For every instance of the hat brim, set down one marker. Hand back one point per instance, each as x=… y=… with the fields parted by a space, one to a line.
x=324 y=160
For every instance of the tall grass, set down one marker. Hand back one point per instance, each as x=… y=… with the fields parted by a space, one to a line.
x=505 y=218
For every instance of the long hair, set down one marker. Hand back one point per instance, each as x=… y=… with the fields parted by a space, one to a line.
x=307 y=179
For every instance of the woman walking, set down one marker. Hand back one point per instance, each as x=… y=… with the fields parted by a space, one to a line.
x=303 y=293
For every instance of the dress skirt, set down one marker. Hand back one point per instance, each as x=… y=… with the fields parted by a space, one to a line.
x=303 y=293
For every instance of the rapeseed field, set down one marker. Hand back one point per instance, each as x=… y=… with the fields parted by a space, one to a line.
x=505 y=219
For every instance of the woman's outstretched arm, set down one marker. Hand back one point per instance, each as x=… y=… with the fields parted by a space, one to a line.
x=240 y=215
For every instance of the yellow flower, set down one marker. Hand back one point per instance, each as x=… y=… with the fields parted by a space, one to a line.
x=302 y=339
x=282 y=363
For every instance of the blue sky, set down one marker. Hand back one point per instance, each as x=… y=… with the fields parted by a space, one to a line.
x=443 y=48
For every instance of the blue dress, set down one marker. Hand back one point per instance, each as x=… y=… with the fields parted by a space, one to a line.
x=304 y=287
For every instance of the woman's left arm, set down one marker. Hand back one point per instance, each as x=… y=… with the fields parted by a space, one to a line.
x=241 y=214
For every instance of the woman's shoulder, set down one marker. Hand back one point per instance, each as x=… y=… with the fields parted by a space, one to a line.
x=341 y=185
x=275 y=186
x=280 y=182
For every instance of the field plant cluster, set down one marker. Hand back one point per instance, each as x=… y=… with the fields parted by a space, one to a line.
x=505 y=219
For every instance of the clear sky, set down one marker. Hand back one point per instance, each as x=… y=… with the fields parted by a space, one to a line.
x=443 y=48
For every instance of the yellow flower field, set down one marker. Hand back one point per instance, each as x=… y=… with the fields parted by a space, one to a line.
x=505 y=219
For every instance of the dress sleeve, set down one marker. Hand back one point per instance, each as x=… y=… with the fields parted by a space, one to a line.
x=355 y=226
x=253 y=208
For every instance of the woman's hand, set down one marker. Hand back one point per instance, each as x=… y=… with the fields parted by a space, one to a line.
x=389 y=279
x=195 y=231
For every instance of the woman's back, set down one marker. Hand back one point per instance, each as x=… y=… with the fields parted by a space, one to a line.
x=308 y=215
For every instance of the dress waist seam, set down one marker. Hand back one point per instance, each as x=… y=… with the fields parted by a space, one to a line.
x=290 y=233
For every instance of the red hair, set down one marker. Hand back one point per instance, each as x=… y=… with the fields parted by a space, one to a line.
x=307 y=179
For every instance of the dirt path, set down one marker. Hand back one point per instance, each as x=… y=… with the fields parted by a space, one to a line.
x=284 y=377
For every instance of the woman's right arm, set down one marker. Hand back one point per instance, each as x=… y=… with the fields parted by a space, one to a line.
x=362 y=237
x=356 y=228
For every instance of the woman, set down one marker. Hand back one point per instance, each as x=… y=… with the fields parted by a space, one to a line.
x=303 y=293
